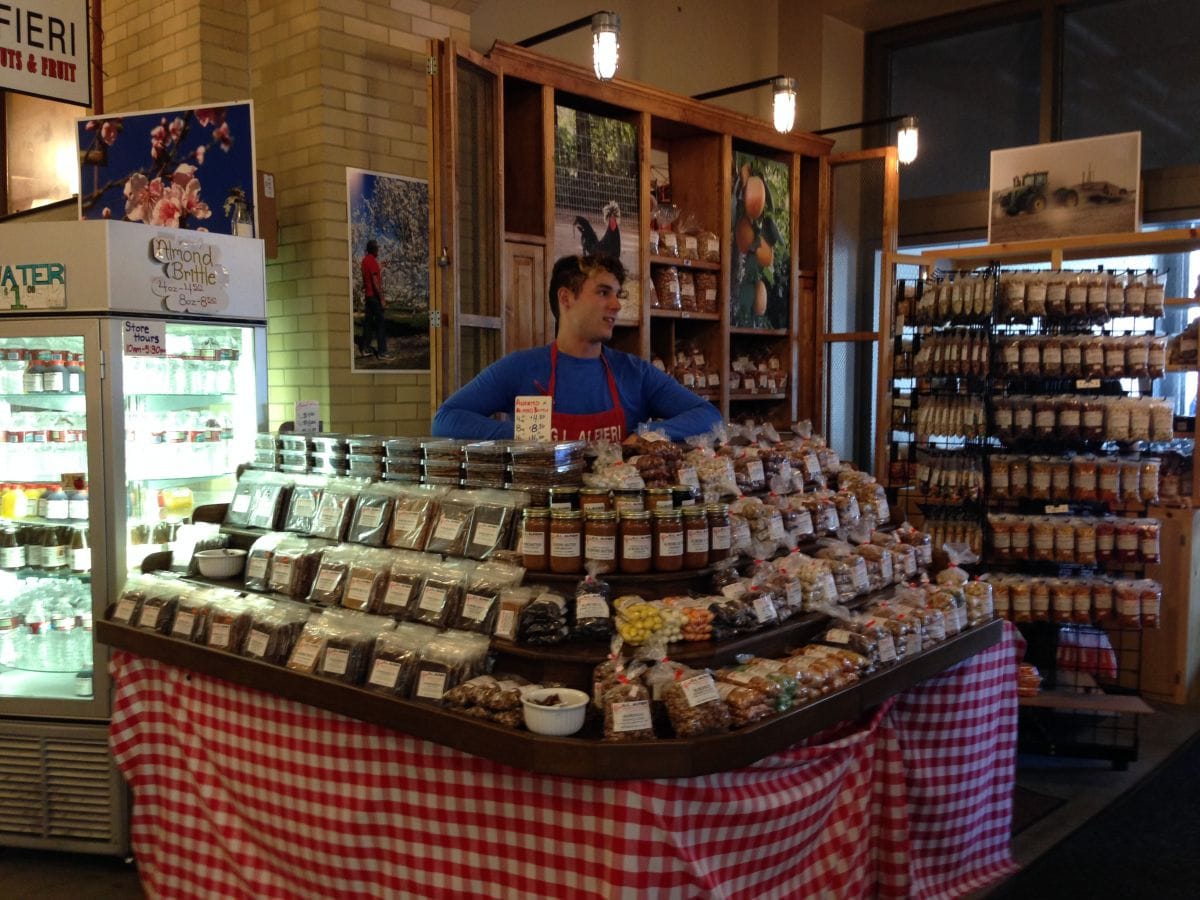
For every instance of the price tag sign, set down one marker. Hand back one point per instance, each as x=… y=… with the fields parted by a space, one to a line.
x=147 y=338
x=308 y=416
x=531 y=418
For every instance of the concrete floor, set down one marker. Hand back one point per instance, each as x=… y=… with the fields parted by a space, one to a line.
x=1085 y=788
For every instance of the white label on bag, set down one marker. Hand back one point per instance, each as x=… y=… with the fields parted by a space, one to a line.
x=764 y=610
x=475 y=607
x=448 y=528
x=398 y=594
x=257 y=567
x=754 y=470
x=385 y=673
x=406 y=521
x=256 y=643
x=431 y=685
x=370 y=516
x=775 y=528
x=699 y=689
x=432 y=600
x=241 y=503
x=306 y=652
x=795 y=594
x=219 y=635
x=359 y=590
x=887 y=648
x=631 y=715
x=590 y=606
x=265 y=508
x=328 y=580
x=838 y=636
x=281 y=572
x=304 y=506
x=486 y=534
x=149 y=617
x=183 y=624
x=505 y=622
x=336 y=659
x=124 y=610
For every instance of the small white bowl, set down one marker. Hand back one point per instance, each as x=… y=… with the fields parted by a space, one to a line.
x=220 y=563
x=560 y=720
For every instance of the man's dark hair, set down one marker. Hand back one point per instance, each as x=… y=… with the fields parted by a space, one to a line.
x=372 y=247
x=572 y=271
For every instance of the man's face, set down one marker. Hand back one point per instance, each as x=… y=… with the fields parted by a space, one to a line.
x=593 y=312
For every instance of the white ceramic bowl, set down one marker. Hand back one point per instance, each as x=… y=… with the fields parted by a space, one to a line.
x=560 y=720
x=220 y=563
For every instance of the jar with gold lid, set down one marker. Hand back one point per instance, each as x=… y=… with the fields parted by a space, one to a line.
x=659 y=498
x=635 y=544
x=695 y=537
x=720 y=531
x=566 y=541
x=667 y=530
x=594 y=500
x=535 y=544
x=600 y=541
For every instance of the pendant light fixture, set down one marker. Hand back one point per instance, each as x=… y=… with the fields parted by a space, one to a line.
x=606 y=40
x=784 y=111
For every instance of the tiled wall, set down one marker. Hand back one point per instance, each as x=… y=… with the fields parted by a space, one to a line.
x=335 y=83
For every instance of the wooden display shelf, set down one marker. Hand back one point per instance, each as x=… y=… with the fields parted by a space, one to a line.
x=759 y=332
x=579 y=757
x=1095 y=703
x=657 y=260
x=684 y=314
x=1058 y=250
x=747 y=395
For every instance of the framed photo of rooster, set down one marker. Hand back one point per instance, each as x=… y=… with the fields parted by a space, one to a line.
x=596 y=192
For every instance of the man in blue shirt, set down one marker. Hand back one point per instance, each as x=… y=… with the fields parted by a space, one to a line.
x=598 y=393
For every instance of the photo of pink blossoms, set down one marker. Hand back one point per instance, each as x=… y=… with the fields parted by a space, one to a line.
x=184 y=168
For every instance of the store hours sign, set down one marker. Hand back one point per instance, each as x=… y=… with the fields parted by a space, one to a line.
x=44 y=49
x=192 y=279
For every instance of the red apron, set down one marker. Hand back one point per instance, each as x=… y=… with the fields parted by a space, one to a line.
x=602 y=426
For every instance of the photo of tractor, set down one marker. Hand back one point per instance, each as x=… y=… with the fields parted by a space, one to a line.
x=1029 y=193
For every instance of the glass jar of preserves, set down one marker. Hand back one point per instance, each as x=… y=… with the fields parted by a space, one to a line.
x=695 y=537
x=685 y=495
x=535 y=545
x=634 y=543
x=659 y=498
x=667 y=528
x=624 y=501
x=720 y=531
x=594 y=500
x=566 y=541
x=600 y=541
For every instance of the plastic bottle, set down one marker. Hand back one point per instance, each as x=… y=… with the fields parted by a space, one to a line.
x=13 y=503
x=54 y=548
x=31 y=382
x=12 y=551
x=80 y=551
x=77 y=505
x=74 y=367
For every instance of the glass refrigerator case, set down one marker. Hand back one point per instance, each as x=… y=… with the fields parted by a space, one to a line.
x=118 y=417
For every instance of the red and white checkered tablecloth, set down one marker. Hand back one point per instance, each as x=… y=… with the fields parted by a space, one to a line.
x=240 y=794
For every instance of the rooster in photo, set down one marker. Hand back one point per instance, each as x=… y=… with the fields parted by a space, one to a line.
x=610 y=243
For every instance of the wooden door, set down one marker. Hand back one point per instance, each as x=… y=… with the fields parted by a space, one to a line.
x=527 y=319
x=855 y=327
x=465 y=212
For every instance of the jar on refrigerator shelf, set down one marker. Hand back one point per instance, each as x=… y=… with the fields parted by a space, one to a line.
x=54 y=372
x=32 y=379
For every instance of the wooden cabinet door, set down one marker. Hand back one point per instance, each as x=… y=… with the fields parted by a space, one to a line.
x=527 y=318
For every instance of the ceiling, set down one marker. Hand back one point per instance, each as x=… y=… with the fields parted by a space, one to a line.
x=872 y=15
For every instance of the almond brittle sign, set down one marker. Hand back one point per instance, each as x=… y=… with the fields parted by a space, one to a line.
x=44 y=49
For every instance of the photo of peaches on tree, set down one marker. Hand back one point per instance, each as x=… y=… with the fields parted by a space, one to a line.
x=761 y=240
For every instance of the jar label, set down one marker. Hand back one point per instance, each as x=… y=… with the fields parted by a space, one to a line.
x=601 y=547
x=533 y=543
x=631 y=715
x=697 y=540
x=12 y=557
x=720 y=537
x=590 y=606
x=699 y=689
x=670 y=544
x=637 y=546
x=564 y=544
x=385 y=673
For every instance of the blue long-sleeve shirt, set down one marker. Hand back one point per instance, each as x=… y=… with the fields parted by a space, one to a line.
x=581 y=388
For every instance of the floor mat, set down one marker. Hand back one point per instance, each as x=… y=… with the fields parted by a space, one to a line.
x=1143 y=845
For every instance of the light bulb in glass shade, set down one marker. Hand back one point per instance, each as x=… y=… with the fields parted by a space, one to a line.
x=606 y=33
x=785 y=104
x=906 y=140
